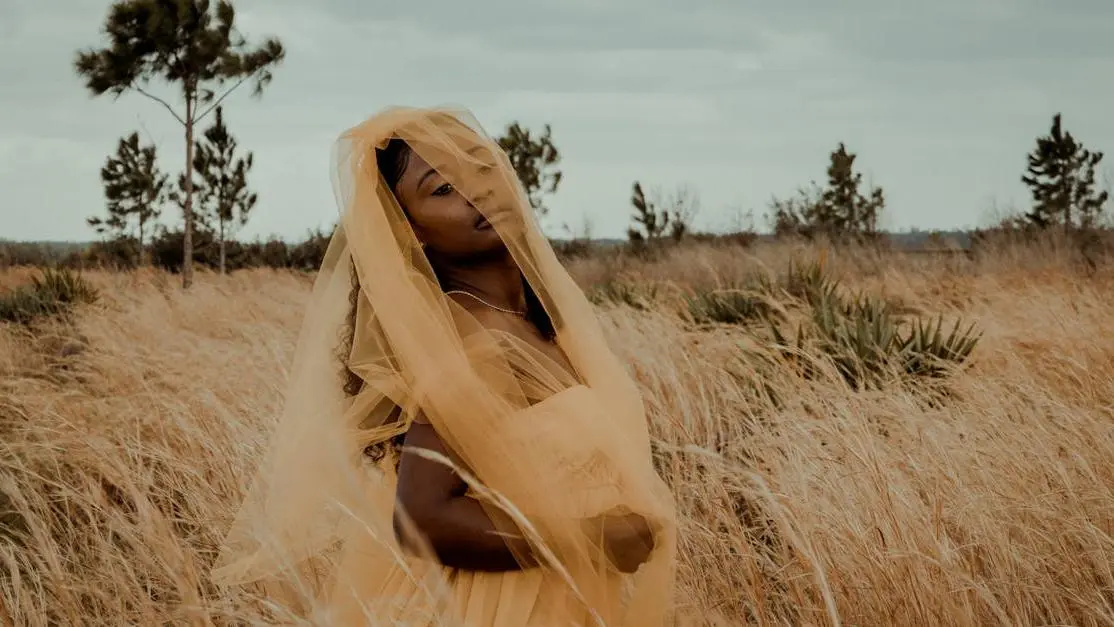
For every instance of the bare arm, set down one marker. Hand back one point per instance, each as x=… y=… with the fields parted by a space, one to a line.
x=461 y=533
x=457 y=528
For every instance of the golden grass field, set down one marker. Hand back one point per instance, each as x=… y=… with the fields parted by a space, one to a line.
x=128 y=436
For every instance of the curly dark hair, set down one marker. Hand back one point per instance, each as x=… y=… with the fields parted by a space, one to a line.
x=391 y=161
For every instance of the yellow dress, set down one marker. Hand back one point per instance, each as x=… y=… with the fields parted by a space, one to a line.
x=315 y=524
x=414 y=592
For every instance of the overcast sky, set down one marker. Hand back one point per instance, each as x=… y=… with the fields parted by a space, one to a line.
x=741 y=100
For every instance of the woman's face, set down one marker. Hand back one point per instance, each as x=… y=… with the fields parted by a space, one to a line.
x=443 y=219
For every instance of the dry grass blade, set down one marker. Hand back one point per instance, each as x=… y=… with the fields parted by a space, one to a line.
x=803 y=500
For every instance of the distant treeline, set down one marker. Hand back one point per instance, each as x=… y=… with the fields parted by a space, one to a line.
x=164 y=250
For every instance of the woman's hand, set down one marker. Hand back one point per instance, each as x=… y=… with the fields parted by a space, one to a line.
x=628 y=538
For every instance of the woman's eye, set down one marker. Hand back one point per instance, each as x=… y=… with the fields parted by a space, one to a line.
x=485 y=170
x=443 y=190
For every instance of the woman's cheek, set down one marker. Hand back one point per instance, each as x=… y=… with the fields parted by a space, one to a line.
x=455 y=213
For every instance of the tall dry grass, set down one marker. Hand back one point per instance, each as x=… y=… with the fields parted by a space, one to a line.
x=127 y=438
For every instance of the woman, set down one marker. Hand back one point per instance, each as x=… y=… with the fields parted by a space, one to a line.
x=485 y=460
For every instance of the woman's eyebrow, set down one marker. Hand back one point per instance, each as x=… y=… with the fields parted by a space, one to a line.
x=471 y=152
x=423 y=177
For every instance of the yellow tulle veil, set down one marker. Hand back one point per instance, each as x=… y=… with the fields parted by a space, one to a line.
x=552 y=448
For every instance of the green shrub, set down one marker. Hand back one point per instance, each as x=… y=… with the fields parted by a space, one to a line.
x=305 y=255
x=867 y=340
x=308 y=254
x=166 y=250
x=810 y=283
x=731 y=306
x=53 y=293
x=926 y=351
x=122 y=253
x=864 y=337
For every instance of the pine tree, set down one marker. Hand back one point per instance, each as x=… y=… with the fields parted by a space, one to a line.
x=225 y=197
x=1061 y=177
x=134 y=189
x=844 y=210
x=201 y=219
x=535 y=162
x=838 y=210
x=190 y=44
x=651 y=222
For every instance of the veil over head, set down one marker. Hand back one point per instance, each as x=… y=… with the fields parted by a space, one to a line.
x=552 y=447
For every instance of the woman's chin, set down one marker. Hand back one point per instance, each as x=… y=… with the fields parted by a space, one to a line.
x=487 y=240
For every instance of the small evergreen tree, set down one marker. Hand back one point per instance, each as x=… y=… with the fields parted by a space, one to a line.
x=225 y=198
x=134 y=189
x=839 y=210
x=1061 y=177
x=845 y=210
x=535 y=161
x=651 y=222
x=191 y=44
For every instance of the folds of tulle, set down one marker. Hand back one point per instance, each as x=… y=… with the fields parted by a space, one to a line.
x=551 y=448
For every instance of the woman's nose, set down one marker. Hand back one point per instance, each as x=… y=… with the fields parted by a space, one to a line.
x=481 y=199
